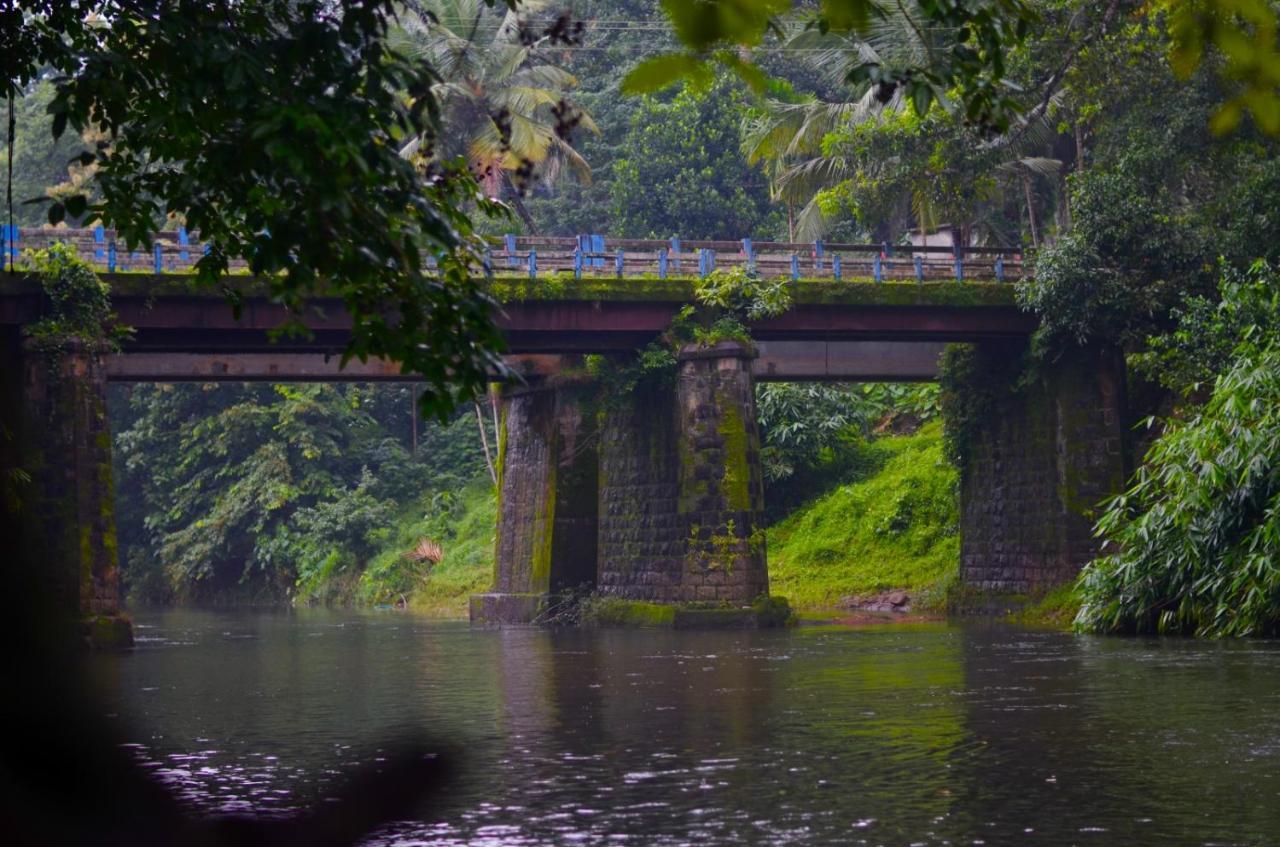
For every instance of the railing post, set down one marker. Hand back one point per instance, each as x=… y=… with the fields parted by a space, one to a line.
x=876 y=270
x=184 y=240
x=999 y=268
x=111 y=257
x=836 y=266
x=99 y=244
x=795 y=267
x=577 y=260
x=675 y=248
x=617 y=262
x=750 y=252
x=512 y=259
x=159 y=258
x=9 y=245
x=486 y=261
x=706 y=261
x=597 y=247
x=662 y=263
x=919 y=269
x=533 y=263
x=817 y=255
x=959 y=269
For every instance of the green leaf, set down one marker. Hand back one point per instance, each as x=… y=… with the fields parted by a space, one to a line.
x=1226 y=118
x=661 y=71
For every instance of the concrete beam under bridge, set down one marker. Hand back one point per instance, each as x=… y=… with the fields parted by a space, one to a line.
x=779 y=361
x=288 y=367
x=248 y=367
x=847 y=361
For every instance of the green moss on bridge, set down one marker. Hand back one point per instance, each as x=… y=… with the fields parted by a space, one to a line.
x=848 y=292
x=563 y=287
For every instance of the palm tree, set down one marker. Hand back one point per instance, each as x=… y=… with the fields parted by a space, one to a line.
x=503 y=105
x=787 y=138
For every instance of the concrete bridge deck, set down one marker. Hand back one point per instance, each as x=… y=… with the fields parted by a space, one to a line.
x=846 y=330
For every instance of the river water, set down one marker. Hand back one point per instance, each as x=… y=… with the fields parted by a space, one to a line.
x=907 y=734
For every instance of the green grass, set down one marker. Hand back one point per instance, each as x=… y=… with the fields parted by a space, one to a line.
x=895 y=528
x=441 y=589
x=467 y=566
x=1055 y=610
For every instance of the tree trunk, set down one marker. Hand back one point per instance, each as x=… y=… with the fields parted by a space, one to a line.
x=1031 y=208
x=484 y=442
x=518 y=204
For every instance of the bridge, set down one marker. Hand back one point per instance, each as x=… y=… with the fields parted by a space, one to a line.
x=656 y=496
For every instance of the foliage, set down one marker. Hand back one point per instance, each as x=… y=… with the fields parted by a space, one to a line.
x=805 y=427
x=235 y=492
x=462 y=522
x=1193 y=545
x=1244 y=33
x=743 y=294
x=273 y=128
x=79 y=303
x=972 y=379
x=895 y=525
x=1202 y=344
x=503 y=98
x=680 y=171
x=1119 y=269
x=972 y=65
x=39 y=162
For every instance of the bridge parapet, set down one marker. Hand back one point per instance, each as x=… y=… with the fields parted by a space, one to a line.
x=176 y=252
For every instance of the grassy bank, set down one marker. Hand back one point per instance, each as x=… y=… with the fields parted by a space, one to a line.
x=895 y=527
x=463 y=526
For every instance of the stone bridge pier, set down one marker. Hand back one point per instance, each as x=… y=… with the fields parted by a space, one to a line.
x=59 y=504
x=1052 y=449
x=655 y=495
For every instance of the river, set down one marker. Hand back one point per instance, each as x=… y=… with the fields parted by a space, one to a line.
x=907 y=734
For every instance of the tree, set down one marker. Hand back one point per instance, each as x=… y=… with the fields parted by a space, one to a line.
x=970 y=65
x=272 y=128
x=504 y=103
x=38 y=163
x=1194 y=544
x=247 y=491
x=680 y=171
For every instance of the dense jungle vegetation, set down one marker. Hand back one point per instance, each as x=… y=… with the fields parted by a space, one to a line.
x=1129 y=149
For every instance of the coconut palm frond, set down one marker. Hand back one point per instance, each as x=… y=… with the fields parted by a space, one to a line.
x=813 y=223
x=488 y=71
x=565 y=155
x=523 y=100
x=801 y=181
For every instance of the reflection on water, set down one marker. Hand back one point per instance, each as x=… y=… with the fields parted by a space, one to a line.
x=905 y=735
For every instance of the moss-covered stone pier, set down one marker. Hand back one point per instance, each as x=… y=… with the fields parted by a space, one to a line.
x=57 y=460
x=656 y=496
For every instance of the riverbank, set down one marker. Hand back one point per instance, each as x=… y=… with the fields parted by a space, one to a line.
x=894 y=528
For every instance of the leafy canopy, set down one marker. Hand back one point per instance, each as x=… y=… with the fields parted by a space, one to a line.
x=273 y=129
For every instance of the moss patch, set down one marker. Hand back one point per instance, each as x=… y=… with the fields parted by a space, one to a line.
x=618 y=612
x=897 y=526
